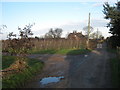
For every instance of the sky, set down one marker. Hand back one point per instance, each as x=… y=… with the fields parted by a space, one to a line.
x=68 y=15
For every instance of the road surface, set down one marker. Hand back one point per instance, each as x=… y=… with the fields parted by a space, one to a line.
x=91 y=70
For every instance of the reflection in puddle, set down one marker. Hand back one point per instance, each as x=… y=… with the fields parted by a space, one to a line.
x=48 y=80
x=86 y=55
x=64 y=56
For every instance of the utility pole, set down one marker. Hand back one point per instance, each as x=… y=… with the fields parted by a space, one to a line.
x=97 y=33
x=88 y=31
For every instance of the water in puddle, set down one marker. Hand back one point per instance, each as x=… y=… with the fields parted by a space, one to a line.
x=86 y=55
x=48 y=80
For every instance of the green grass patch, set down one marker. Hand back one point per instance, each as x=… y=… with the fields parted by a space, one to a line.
x=7 y=61
x=19 y=79
x=60 y=51
x=78 y=51
x=72 y=51
x=115 y=67
x=49 y=51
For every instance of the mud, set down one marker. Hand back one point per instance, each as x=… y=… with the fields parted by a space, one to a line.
x=91 y=70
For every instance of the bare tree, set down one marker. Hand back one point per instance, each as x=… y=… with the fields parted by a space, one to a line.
x=58 y=32
x=11 y=35
x=54 y=33
x=26 y=31
x=88 y=32
x=93 y=35
x=96 y=35
x=2 y=27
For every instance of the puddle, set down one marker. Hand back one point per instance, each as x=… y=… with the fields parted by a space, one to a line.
x=85 y=55
x=48 y=80
x=64 y=56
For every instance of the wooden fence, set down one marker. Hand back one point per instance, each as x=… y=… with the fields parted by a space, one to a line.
x=54 y=44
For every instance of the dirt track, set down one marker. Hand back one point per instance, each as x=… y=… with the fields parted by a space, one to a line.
x=80 y=71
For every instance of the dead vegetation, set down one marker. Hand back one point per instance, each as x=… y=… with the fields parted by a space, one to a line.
x=16 y=67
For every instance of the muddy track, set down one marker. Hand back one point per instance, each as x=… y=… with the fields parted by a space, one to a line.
x=80 y=71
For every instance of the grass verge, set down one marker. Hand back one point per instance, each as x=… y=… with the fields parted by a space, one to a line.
x=7 y=61
x=19 y=79
x=61 y=51
x=115 y=68
x=111 y=50
x=77 y=51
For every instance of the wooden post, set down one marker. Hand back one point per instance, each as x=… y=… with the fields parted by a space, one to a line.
x=88 y=32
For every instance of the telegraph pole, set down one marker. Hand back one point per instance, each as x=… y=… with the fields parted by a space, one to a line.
x=88 y=31
x=97 y=33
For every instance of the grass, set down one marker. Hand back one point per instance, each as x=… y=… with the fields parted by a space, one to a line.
x=78 y=51
x=7 y=61
x=115 y=67
x=19 y=79
x=111 y=50
x=48 y=51
x=60 y=51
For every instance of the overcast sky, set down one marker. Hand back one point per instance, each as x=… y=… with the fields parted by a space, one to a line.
x=66 y=14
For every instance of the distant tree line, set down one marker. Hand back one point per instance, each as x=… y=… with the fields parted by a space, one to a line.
x=26 y=32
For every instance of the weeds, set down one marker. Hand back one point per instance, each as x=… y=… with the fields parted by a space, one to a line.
x=7 y=61
x=115 y=68
x=19 y=79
